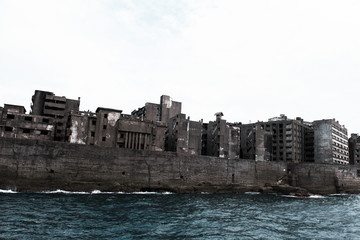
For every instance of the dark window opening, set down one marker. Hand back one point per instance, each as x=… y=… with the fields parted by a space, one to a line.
x=58 y=131
x=54 y=108
x=26 y=130
x=104 y=139
x=10 y=116
x=93 y=134
x=121 y=145
x=358 y=173
x=60 y=124
x=93 y=122
x=28 y=119
x=45 y=120
x=104 y=127
x=44 y=132
x=8 y=129
x=105 y=115
x=122 y=135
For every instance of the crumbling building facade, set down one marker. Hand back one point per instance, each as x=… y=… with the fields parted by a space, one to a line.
x=158 y=112
x=221 y=139
x=15 y=123
x=288 y=139
x=256 y=143
x=110 y=128
x=354 y=149
x=48 y=104
x=162 y=127
x=330 y=142
x=184 y=135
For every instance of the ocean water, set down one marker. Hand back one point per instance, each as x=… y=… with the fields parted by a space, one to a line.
x=96 y=215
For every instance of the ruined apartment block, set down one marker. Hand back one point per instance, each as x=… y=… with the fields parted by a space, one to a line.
x=184 y=135
x=110 y=128
x=158 y=112
x=256 y=143
x=59 y=108
x=81 y=127
x=141 y=135
x=106 y=126
x=288 y=139
x=221 y=139
x=15 y=123
x=354 y=149
x=330 y=142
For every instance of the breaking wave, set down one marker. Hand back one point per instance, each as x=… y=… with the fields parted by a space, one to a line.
x=7 y=191
x=59 y=191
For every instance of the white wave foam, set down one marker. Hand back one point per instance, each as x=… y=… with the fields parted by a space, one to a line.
x=252 y=193
x=96 y=192
x=339 y=194
x=7 y=191
x=316 y=196
x=145 y=193
x=100 y=192
x=64 y=192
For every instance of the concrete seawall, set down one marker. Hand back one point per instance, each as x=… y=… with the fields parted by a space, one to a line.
x=30 y=165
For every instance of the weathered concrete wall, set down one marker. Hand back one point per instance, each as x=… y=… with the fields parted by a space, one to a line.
x=322 y=142
x=325 y=178
x=30 y=165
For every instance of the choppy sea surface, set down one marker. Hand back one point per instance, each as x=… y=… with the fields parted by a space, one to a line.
x=96 y=215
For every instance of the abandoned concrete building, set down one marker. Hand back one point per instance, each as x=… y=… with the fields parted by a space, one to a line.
x=255 y=142
x=158 y=112
x=287 y=143
x=354 y=149
x=330 y=142
x=110 y=128
x=221 y=139
x=162 y=127
x=184 y=135
x=59 y=108
x=15 y=123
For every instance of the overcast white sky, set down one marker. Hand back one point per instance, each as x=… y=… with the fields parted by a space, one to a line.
x=252 y=60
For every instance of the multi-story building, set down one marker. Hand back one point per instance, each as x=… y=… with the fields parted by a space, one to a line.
x=158 y=112
x=330 y=142
x=15 y=123
x=141 y=135
x=288 y=139
x=354 y=149
x=183 y=135
x=81 y=128
x=221 y=139
x=110 y=128
x=59 y=108
x=256 y=143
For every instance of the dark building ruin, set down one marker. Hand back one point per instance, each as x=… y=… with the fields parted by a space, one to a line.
x=288 y=139
x=15 y=123
x=49 y=105
x=184 y=135
x=158 y=112
x=162 y=127
x=354 y=149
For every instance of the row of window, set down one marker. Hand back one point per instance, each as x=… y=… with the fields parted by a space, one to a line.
x=28 y=131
